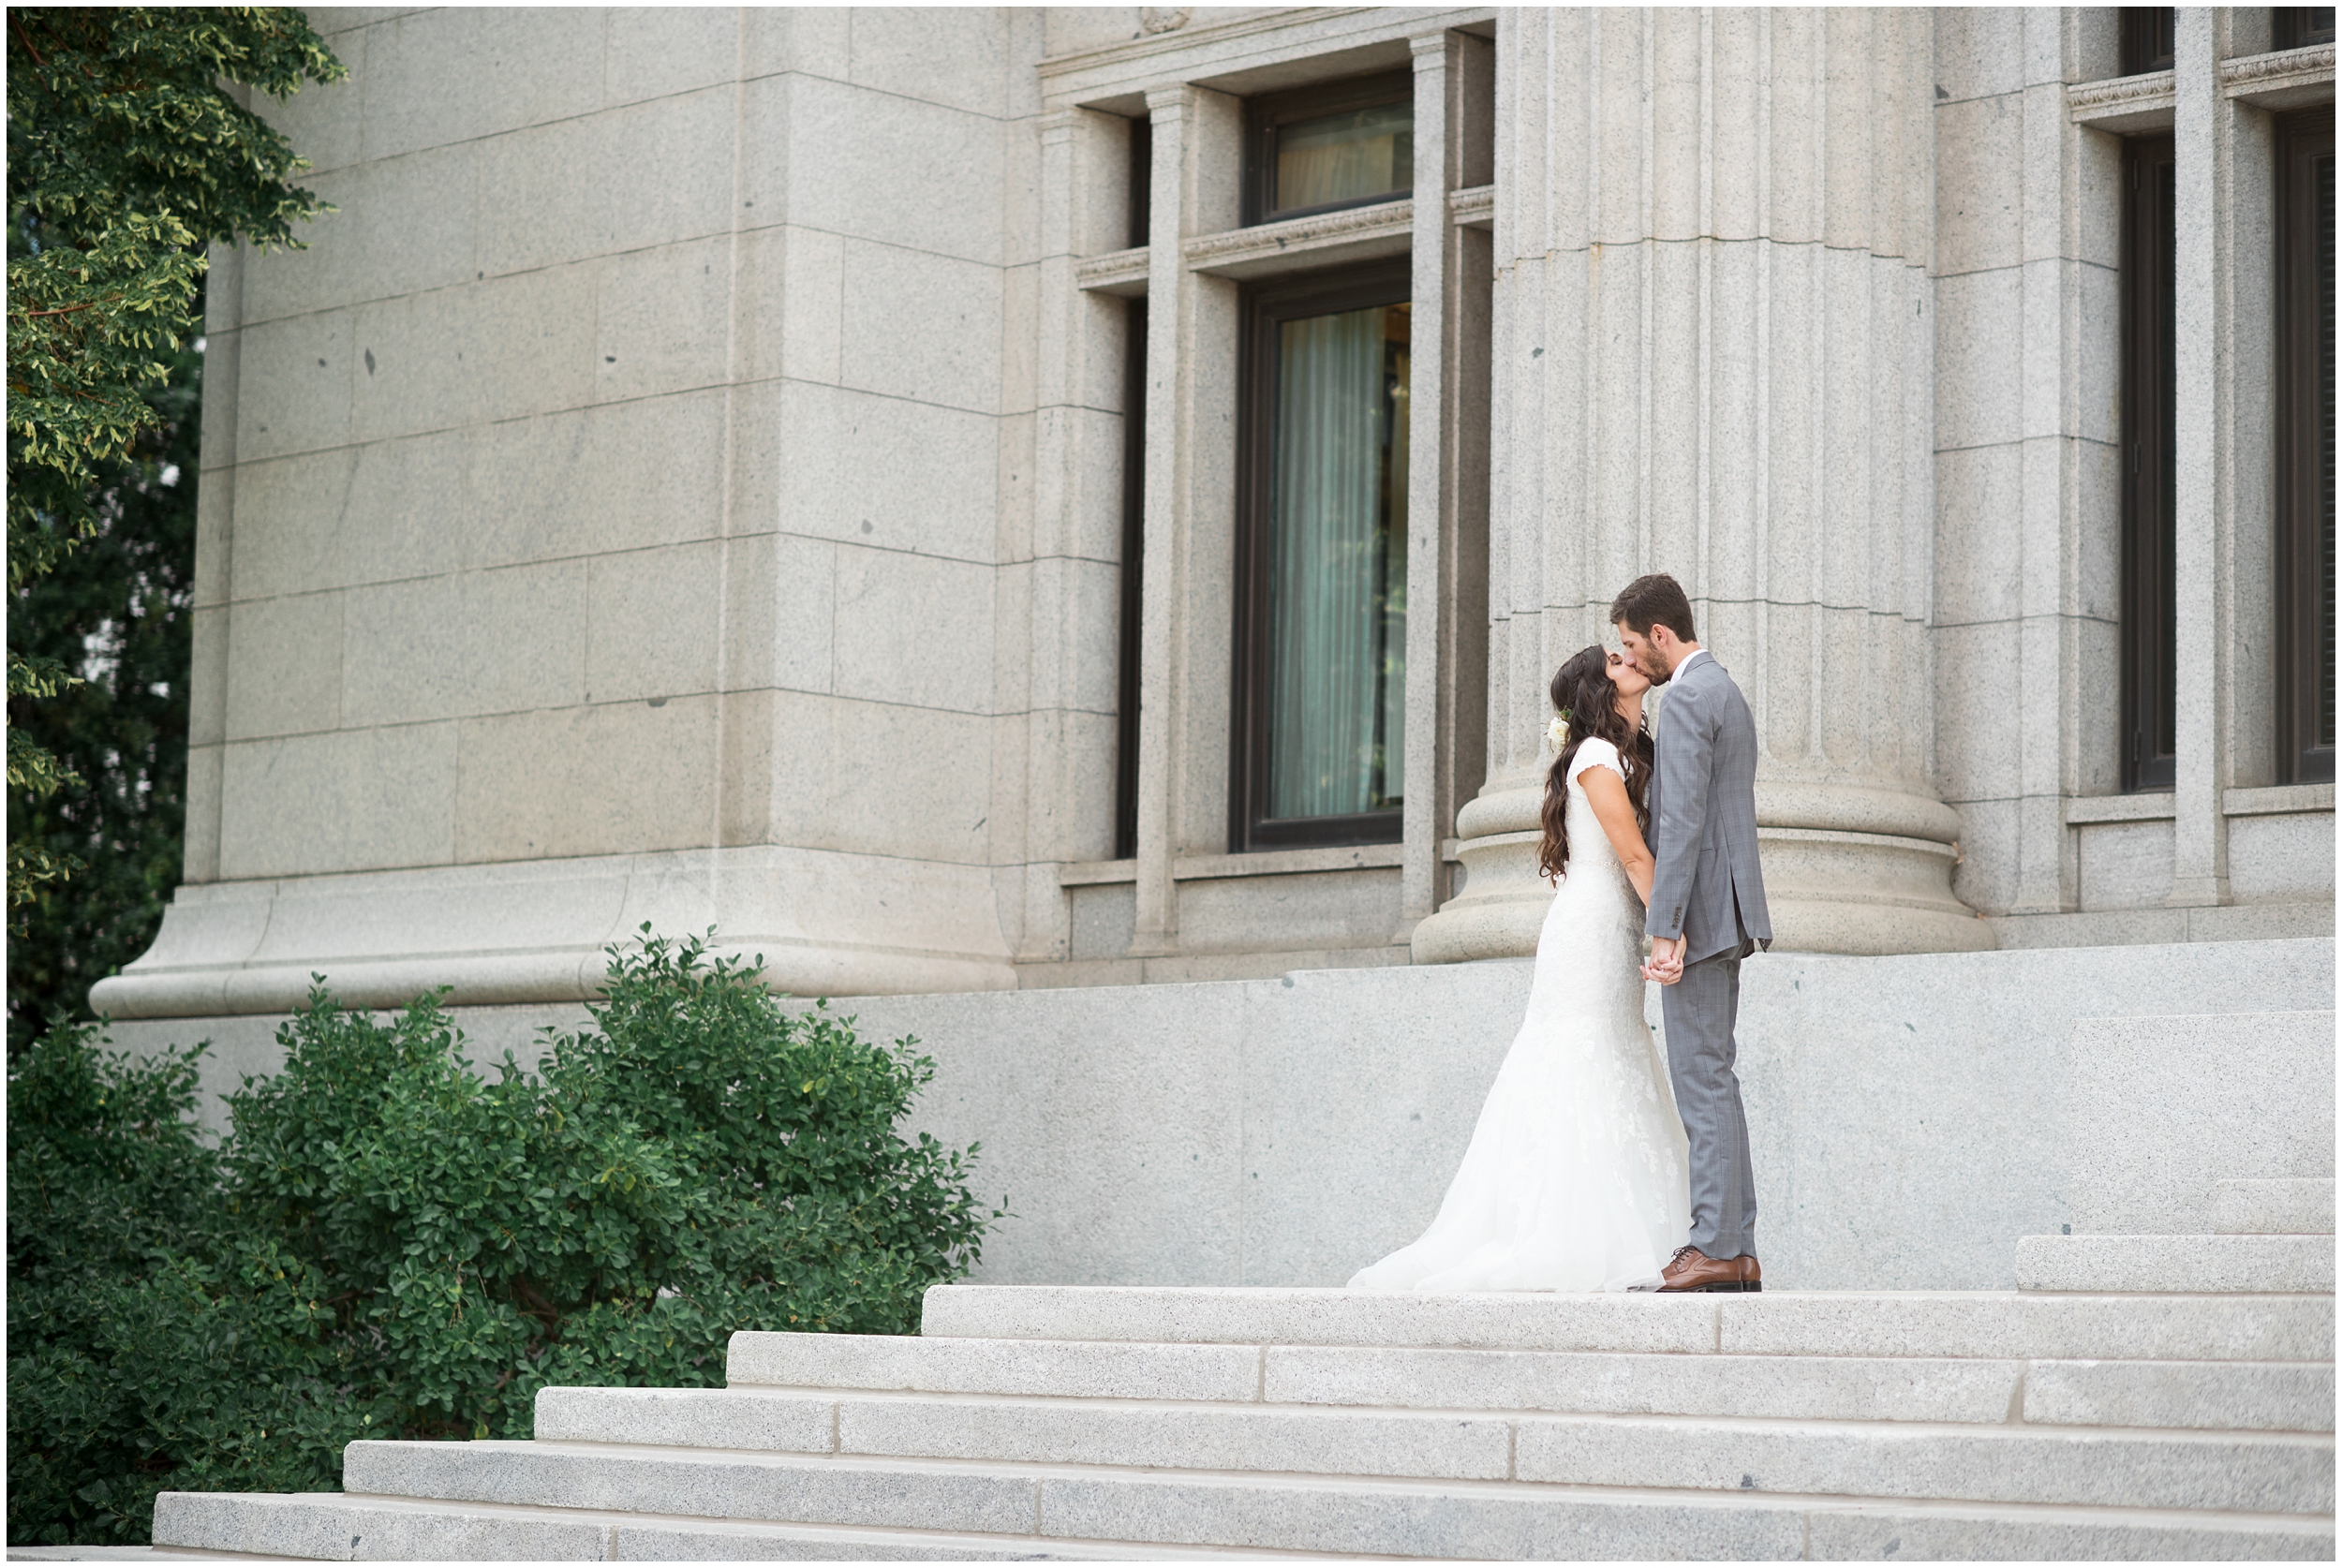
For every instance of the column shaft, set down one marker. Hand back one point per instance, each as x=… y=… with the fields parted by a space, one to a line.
x=1714 y=355
x=2199 y=848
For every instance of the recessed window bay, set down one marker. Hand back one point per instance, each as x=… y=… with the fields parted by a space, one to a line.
x=1327 y=673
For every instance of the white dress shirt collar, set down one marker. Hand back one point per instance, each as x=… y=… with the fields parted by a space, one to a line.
x=1689 y=659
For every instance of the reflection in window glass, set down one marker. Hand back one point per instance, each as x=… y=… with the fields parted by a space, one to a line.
x=1338 y=565
x=1350 y=157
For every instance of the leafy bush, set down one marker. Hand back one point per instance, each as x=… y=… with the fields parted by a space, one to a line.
x=391 y=1244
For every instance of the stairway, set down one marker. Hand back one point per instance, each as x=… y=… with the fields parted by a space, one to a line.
x=2267 y=1236
x=2107 y=1411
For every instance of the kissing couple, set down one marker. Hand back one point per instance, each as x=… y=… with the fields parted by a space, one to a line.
x=1595 y=1166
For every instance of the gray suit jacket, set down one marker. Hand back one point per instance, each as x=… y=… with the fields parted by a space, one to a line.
x=1707 y=887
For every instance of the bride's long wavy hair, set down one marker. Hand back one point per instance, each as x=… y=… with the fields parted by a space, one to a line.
x=1587 y=698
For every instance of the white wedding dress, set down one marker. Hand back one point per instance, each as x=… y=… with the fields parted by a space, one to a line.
x=1575 y=1176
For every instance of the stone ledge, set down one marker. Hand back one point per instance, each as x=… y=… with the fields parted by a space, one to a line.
x=1263 y=862
x=1122 y=272
x=2277 y=799
x=2287 y=79
x=1324 y=239
x=2148 y=806
x=1472 y=208
x=2227 y=922
x=2123 y=104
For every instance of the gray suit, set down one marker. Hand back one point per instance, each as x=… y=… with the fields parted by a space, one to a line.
x=1708 y=889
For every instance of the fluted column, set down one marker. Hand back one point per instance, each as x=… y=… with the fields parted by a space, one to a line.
x=1714 y=357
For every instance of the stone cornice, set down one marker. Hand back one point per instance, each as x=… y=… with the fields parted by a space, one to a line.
x=1290 y=45
x=1121 y=272
x=2120 y=98
x=1386 y=228
x=1188 y=37
x=2285 y=80
x=1472 y=208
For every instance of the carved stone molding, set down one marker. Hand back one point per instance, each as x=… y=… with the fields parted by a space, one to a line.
x=2122 y=103
x=1121 y=272
x=1385 y=229
x=2290 y=78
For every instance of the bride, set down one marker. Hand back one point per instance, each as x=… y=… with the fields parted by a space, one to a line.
x=1575 y=1179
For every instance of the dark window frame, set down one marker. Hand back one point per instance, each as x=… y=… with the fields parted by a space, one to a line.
x=1134 y=563
x=2304 y=452
x=1265 y=115
x=2149 y=470
x=1142 y=179
x=1134 y=566
x=2149 y=38
x=1265 y=307
x=2299 y=26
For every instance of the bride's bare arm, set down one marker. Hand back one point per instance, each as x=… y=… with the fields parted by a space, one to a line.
x=1607 y=793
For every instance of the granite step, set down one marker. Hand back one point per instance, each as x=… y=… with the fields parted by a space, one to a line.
x=1079 y=1369
x=800 y=1413
x=340 y=1526
x=1961 y=1461
x=2293 y=1207
x=1487 y=1519
x=2013 y=1326
x=2265 y=1473
x=1853 y=1388
x=1488 y=1522
x=2242 y=1263
x=2206 y=1396
x=1430 y=1445
x=2111 y=1467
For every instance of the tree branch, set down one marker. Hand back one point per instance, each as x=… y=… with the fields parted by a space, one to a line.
x=27 y=39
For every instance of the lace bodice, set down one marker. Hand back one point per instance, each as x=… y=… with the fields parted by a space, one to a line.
x=1592 y=857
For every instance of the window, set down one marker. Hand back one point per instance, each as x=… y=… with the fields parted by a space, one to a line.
x=1321 y=630
x=1142 y=166
x=2150 y=681
x=1324 y=148
x=2299 y=26
x=2305 y=445
x=2147 y=38
x=1134 y=569
x=1142 y=179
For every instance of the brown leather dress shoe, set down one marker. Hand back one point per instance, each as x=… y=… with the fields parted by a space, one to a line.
x=1692 y=1269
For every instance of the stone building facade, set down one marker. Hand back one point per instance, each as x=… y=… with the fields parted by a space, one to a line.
x=894 y=484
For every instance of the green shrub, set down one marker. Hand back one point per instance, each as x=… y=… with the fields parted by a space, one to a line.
x=389 y=1243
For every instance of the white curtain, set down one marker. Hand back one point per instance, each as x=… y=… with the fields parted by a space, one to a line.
x=1338 y=553
x=1366 y=151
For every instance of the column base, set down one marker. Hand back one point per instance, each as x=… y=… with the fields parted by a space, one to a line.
x=534 y=931
x=1848 y=869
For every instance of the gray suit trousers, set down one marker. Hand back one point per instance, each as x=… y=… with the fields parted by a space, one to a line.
x=1700 y=1009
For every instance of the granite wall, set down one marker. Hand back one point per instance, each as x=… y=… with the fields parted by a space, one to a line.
x=1911 y=1116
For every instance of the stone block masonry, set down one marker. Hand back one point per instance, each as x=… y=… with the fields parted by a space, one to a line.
x=1912 y=1117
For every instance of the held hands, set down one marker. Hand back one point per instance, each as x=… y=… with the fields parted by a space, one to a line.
x=1665 y=963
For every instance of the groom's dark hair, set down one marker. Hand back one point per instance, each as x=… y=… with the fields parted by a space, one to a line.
x=1653 y=600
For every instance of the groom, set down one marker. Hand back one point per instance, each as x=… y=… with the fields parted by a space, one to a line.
x=1707 y=914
